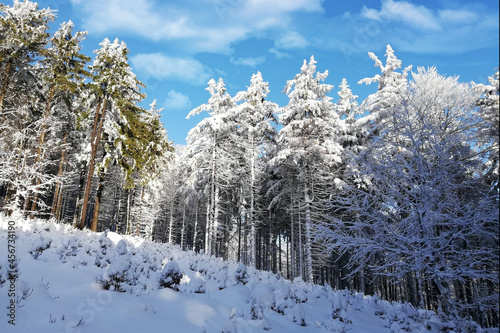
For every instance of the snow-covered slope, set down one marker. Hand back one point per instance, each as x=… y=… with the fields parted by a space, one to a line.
x=151 y=287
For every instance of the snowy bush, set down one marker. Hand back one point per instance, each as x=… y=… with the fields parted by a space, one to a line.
x=117 y=277
x=256 y=309
x=299 y=315
x=103 y=254
x=69 y=248
x=197 y=284
x=264 y=294
x=339 y=310
x=171 y=276
x=39 y=245
x=300 y=290
x=241 y=274
x=220 y=279
x=284 y=299
x=3 y=273
x=121 y=248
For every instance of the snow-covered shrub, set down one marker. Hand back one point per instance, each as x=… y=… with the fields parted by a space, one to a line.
x=69 y=248
x=103 y=253
x=3 y=273
x=284 y=298
x=256 y=309
x=230 y=327
x=241 y=273
x=171 y=276
x=299 y=315
x=116 y=276
x=220 y=279
x=121 y=248
x=39 y=245
x=197 y=284
x=264 y=294
x=339 y=310
x=300 y=290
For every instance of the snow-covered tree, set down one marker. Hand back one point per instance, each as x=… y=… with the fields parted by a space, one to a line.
x=308 y=151
x=426 y=213
x=23 y=28
x=392 y=85
x=489 y=104
x=117 y=91
x=209 y=156
x=254 y=135
x=63 y=74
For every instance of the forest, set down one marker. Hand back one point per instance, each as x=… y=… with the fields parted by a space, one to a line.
x=396 y=195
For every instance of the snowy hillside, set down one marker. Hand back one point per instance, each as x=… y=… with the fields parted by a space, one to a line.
x=64 y=274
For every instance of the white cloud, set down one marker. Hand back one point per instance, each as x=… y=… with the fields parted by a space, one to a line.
x=176 y=101
x=420 y=29
x=196 y=25
x=251 y=62
x=280 y=6
x=161 y=67
x=278 y=54
x=292 y=39
x=416 y=16
x=458 y=16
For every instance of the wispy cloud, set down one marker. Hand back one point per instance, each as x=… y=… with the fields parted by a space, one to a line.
x=202 y=26
x=251 y=61
x=176 y=101
x=291 y=40
x=161 y=67
x=193 y=27
x=416 y=16
x=421 y=29
x=279 y=54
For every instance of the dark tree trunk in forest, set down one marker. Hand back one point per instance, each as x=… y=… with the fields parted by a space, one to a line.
x=94 y=142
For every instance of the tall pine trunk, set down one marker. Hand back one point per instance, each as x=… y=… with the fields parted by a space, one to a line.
x=252 y=203
x=94 y=143
x=39 y=150
x=97 y=205
x=56 y=202
x=308 y=222
x=5 y=85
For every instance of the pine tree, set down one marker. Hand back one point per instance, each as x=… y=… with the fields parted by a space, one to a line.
x=308 y=151
x=254 y=135
x=64 y=73
x=23 y=28
x=209 y=155
x=117 y=91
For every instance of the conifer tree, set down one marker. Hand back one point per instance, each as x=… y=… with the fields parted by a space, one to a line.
x=308 y=152
x=64 y=73
x=254 y=135
x=117 y=91
x=209 y=155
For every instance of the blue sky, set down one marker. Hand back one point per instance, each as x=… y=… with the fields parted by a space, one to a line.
x=176 y=47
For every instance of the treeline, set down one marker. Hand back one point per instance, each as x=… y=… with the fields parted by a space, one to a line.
x=395 y=196
x=74 y=144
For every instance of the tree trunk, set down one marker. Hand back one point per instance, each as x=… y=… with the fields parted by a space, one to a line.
x=94 y=143
x=171 y=222
x=138 y=226
x=97 y=205
x=56 y=202
x=183 y=224
x=5 y=85
x=195 y=226
x=308 y=222
x=252 y=203
x=41 y=141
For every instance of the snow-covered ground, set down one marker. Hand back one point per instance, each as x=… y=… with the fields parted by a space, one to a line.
x=151 y=287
